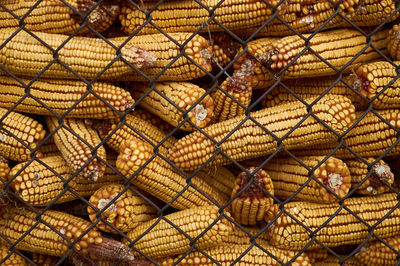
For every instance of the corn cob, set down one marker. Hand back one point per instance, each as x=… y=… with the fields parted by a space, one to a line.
x=154 y=120
x=49 y=148
x=56 y=17
x=182 y=94
x=188 y=16
x=195 y=149
x=394 y=42
x=240 y=237
x=75 y=151
x=277 y=54
x=153 y=134
x=288 y=176
x=26 y=56
x=234 y=88
x=307 y=16
x=60 y=95
x=343 y=229
x=220 y=179
x=250 y=205
x=4 y=171
x=332 y=260
x=306 y=88
x=125 y=212
x=164 y=240
x=373 y=185
x=228 y=254
x=13 y=260
x=197 y=49
x=28 y=131
x=159 y=178
x=316 y=255
x=44 y=260
x=15 y=222
x=377 y=253
x=224 y=48
x=371 y=137
x=371 y=79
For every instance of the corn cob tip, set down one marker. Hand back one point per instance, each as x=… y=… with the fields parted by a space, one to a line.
x=266 y=59
x=109 y=248
x=240 y=80
x=380 y=172
x=394 y=33
x=140 y=58
x=133 y=154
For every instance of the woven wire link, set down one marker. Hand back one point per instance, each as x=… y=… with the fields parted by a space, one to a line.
x=224 y=71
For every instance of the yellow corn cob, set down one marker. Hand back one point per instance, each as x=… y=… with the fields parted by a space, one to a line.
x=28 y=131
x=15 y=222
x=56 y=17
x=237 y=87
x=377 y=253
x=371 y=137
x=197 y=48
x=332 y=260
x=316 y=255
x=159 y=178
x=380 y=171
x=306 y=88
x=164 y=240
x=288 y=176
x=126 y=212
x=195 y=149
x=154 y=120
x=49 y=148
x=394 y=42
x=240 y=237
x=182 y=94
x=4 y=170
x=26 y=56
x=224 y=48
x=277 y=54
x=227 y=254
x=44 y=260
x=189 y=16
x=249 y=207
x=220 y=179
x=74 y=150
x=370 y=79
x=60 y=95
x=13 y=260
x=307 y=16
x=343 y=229
x=124 y=132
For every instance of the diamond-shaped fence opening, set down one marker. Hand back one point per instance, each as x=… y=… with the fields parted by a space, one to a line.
x=199 y=132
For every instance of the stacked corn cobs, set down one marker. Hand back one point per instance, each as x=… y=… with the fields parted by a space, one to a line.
x=199 y=132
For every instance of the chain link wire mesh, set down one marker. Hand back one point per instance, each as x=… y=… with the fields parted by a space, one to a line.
x=213 y=77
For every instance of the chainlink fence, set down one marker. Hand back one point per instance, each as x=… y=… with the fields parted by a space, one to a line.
x=213 y=78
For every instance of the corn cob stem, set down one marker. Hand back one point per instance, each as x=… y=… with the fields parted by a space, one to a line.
x=238 y=87
x=377 y=253
x=151 y=132
x=159 y=178
x=277 y=54
x=227 y=254
x=249 y=207
x=164 y=240
x=60 y=95
x=75 y=151
x=197 y=48
x=343 y=229
x=188 y=16
x=56 y=17
x=41 y=239
x=288 y=176
x=182 y=94
x=380 y=171
x=370 y=79
x=27 y=130
x=26 y=56
x=371 y=137
x=195 y=149
x=125 y=213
